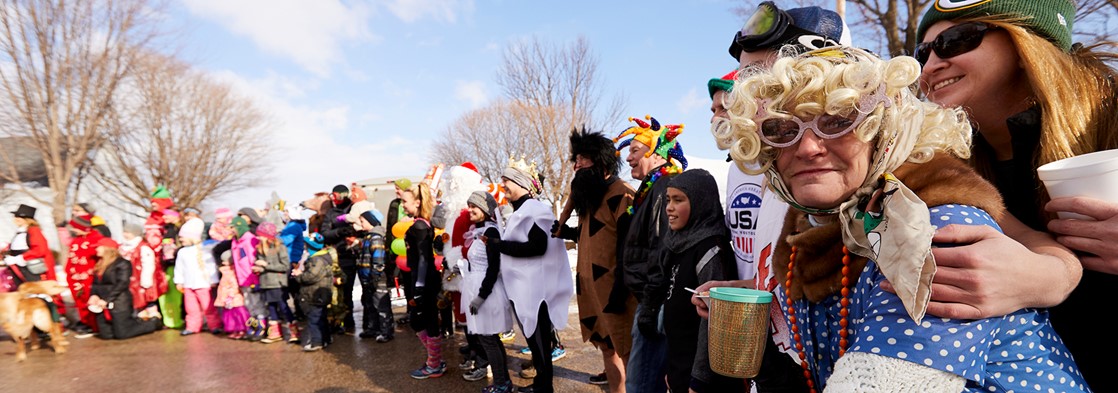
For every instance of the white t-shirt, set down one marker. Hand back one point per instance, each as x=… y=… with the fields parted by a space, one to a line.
x=755 y=216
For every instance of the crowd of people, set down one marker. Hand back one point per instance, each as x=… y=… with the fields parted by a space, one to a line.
x=891 y=206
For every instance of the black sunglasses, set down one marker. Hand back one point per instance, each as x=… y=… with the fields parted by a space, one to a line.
x=957 y=40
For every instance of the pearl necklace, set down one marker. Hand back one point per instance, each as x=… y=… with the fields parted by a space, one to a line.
x=844 y=312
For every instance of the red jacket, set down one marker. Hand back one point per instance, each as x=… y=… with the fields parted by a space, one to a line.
x=37 y=247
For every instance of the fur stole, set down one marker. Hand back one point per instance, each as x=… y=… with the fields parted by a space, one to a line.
x=818 y=269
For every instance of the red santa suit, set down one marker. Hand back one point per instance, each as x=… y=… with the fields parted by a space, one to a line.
x=79 y=268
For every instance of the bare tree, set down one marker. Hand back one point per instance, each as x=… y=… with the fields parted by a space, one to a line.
x=557 y=89
x=63 y=62
x=487 y=137
x=1095 y=21
x=893 y=21
x=177 y=127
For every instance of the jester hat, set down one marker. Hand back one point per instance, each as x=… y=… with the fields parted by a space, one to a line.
x=660 y=139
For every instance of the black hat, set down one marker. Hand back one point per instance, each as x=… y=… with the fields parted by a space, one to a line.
x=24 y=211
x=341 y=189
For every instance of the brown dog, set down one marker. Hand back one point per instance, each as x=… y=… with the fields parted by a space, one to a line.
x=21 y=311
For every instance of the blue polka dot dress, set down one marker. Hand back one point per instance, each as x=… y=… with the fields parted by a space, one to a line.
x=1017 y=352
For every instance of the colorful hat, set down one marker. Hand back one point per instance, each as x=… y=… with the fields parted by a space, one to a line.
x=314 y=241
x=660 y=139
x=96 y=221
x=402 y=183
x=169 y=212
x=223 y=212
x=725 y=83
x=81 y=223
x=107 y=242
x=161 y=197
x=266 y=230
x=1051 y=19
x=240 y=225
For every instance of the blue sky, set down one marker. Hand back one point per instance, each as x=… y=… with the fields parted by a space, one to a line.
x=360 y=89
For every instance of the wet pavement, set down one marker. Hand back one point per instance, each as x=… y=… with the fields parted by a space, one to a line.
x=166 y=362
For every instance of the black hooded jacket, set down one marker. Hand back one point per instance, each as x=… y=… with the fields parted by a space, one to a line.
x=642 y=241
x=334 y=232
x=681 y=265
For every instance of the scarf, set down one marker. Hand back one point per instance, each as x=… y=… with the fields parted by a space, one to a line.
x=894 y=212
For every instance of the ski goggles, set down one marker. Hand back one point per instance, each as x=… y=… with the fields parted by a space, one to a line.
x=764 y=29
x=954 y=41
x=784 y=132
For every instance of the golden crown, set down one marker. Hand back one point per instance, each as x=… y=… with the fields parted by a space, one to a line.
x=524 y=166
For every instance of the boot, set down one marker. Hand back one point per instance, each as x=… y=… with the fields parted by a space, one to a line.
x=274 y=334
x=294 y=329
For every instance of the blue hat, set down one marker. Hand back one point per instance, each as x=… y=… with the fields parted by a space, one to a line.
x=314 y=241
x=811 y=27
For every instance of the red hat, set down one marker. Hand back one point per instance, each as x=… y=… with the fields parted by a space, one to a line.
x=470 y=165
x=82 y=223
x=107 y=242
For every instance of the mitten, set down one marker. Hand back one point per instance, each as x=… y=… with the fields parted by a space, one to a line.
x=476 y=304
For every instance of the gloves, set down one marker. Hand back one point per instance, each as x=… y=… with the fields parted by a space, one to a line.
x=417 y=300
x=476 y=304
x=563 y=231
x=16 y=260
x=647 y=321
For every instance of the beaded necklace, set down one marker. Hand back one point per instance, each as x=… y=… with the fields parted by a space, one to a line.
x=642 y=191
x=842 y=311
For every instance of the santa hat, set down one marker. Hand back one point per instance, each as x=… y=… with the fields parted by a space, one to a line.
x=470 y=165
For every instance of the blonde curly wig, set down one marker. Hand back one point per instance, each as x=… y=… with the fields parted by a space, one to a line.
x=833 y=80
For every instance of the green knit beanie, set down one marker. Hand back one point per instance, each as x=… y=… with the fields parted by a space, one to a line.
x=725 y=83
x=1051 y=19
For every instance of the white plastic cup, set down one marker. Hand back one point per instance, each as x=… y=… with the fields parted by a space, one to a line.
x=1092 y=175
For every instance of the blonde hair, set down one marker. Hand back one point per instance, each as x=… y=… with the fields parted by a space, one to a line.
x=111 y=255
x=1075 y=91
x=422 y=192
x=834 y=81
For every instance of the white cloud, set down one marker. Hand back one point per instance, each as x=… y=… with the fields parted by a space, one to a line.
x=309 y=33
x=444 y=10
x=471 y=91
x=694 y=99
x=309 y=153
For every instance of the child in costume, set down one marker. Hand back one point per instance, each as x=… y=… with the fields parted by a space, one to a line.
x=234 y=315
x=272 y=265
x=378 y=320
x=483 y=294
x=244 y=258
x=148 y=280
x=426 y=282
x=316 y=283
x=195 y=275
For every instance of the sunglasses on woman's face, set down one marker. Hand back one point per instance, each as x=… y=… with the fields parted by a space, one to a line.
x=781 y=133
x=954 y=41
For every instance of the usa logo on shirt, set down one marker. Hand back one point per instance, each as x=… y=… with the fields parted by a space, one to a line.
x=741 y=217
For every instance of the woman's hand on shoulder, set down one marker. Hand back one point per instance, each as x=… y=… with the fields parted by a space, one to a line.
x=986 y=275
x=1098 y=237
